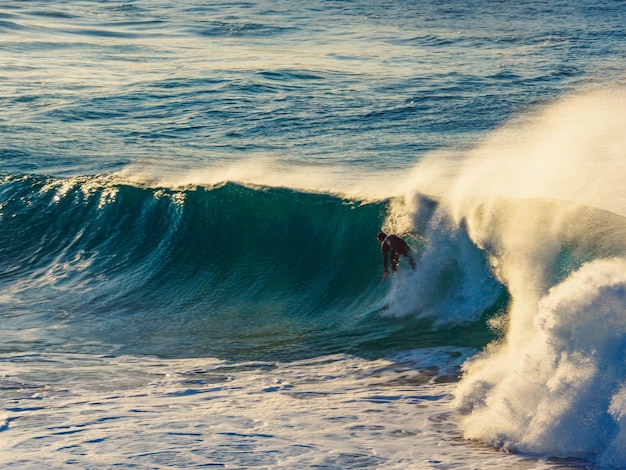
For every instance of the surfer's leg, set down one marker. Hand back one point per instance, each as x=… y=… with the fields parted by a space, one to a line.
x=409 y=258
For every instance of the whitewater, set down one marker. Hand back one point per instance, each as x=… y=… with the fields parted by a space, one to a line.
x=189 y=201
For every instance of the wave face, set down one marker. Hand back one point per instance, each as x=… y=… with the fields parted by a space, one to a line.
x=184 y=271
x=96 y=264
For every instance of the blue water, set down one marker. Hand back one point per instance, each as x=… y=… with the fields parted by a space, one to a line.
x=184 y=182
x=92 y=87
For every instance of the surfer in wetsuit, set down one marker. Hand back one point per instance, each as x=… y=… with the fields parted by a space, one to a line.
x=394 y=246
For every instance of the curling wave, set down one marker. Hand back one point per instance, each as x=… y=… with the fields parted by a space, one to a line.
x=227 y=271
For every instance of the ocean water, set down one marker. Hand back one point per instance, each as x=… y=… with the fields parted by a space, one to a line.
x=190 y=194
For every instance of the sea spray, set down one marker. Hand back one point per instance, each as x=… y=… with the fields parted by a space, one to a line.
x=543 y=199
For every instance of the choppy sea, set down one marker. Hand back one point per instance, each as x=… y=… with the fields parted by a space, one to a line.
x=190 y=194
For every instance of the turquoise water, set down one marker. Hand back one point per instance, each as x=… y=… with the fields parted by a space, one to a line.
x=227 y=271
x=189 y=199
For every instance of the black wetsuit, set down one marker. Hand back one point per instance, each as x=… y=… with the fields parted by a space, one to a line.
x=395 y=246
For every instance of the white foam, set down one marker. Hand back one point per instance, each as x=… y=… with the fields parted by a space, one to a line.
x=548 y=389
x=533 y=197
x=336 y=411
x=452 y=283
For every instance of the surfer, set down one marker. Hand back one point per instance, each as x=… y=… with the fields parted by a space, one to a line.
x=396 y=246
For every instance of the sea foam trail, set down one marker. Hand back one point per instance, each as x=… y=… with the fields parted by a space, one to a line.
x=544 y=198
